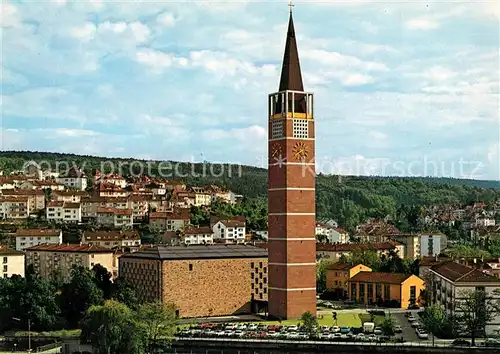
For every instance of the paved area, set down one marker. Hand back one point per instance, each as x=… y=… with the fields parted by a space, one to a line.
x=408 y=334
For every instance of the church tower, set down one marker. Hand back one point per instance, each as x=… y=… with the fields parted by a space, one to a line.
x=291 y=219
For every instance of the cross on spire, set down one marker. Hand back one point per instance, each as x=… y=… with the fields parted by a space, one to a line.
x=290 y=5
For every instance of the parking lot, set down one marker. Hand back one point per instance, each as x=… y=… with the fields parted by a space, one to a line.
x=408 y=333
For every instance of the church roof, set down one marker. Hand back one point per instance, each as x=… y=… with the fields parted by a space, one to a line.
x=291 y=76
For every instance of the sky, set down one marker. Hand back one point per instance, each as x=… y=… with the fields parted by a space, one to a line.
x=405 y=88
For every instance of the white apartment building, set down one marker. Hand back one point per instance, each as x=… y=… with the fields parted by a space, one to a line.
x=430 y=245
x=450 y=281
x=332 y=234
x=74 y=178
x=485 y=222
x=11 y=262
x=61 y=212
x=33 y=237
x=198 y=236
x=229 y=230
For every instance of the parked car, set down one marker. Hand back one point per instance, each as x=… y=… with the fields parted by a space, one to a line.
x=378 y=331
x=421 y=333
x=460 y=343
x=252 y=327
x=411 y=318
x=345 y=330
x=416 y=324
x=335 y=329
x=398 y=329
x=292 y=328
x=491 y=343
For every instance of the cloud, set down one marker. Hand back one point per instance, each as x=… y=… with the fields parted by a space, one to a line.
x=136 y=79
x=422 y=23
x=9 y=15
x=166 y=19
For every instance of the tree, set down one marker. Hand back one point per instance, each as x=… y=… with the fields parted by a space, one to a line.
x=388 y=325
x=111 y=329
x=124 y=292
x=309 y=322
x=102 y=278
x=433 y=319
x=157 y=320
x=321 y=267
x=474 y=310
x=368 y=257
x=79 y=295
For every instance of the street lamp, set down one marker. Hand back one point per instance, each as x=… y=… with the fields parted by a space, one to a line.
x=29 y=332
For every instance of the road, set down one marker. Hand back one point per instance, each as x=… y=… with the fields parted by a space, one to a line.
x=409 y=333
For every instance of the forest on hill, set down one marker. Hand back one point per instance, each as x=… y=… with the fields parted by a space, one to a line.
x=347 y=199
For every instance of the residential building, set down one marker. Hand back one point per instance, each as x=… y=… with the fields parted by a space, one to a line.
x=74 y=178
x=6 y=183
x=43 y=184
x=211 y=280
x=71 y=196
x=450 y=282
x=105 y=189
x=375 y=231
x=11 y=262
x=430 y=244
x=112 y=239
x=62 y=212
x=332 y=234
x=485 y=222
x=229 y=230
x=26 y=238
x=333 y=252
x=201 y=196
x=198 y=235
x=36 y=198
x=49 y=259
x=113 y=217
x=337 y=276
x=174 y=220
x=385 y=289
x=14 y=207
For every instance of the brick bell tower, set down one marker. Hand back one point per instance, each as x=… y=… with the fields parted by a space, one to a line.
x=292 y=241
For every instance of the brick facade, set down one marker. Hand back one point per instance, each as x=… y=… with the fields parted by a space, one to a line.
x=291 y=220
x=217 y=287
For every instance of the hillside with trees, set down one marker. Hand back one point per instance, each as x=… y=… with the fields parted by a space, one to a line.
x=347 y=199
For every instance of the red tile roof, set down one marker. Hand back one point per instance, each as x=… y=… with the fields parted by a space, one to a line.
x=198 y=230
x=463 y=274
x=37 y=232
x=379 y=277
x=110 y=235
x=6 y=251
x=80 y=248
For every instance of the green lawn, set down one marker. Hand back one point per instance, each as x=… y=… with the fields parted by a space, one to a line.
x=343 y=320
x=62 y=333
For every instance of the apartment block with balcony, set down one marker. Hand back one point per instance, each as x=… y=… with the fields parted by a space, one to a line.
x=49 y=259
x=11 y=262
x=14 y=207
x=174 y=220
x=451 y=281
x=64 y=212
x=26 y=238
x=113 y=217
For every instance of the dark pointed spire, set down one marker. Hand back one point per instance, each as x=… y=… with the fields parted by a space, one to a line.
x=291 y=76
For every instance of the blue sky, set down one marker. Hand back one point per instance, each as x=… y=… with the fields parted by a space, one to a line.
x=407 y=88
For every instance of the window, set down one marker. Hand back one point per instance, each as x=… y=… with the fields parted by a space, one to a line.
x=361 y=292
x=387 y=292
x=378 y=291
x=4 y=260
x=190 y=267
x=353 y=291
x=369 y=291
x=5 y=268
x=251 y=265
x=277 y=130
x=300 y=128
x=413 y=292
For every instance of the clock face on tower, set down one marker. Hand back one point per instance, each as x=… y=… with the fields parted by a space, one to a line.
x=276 y=151
x=300 y=151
